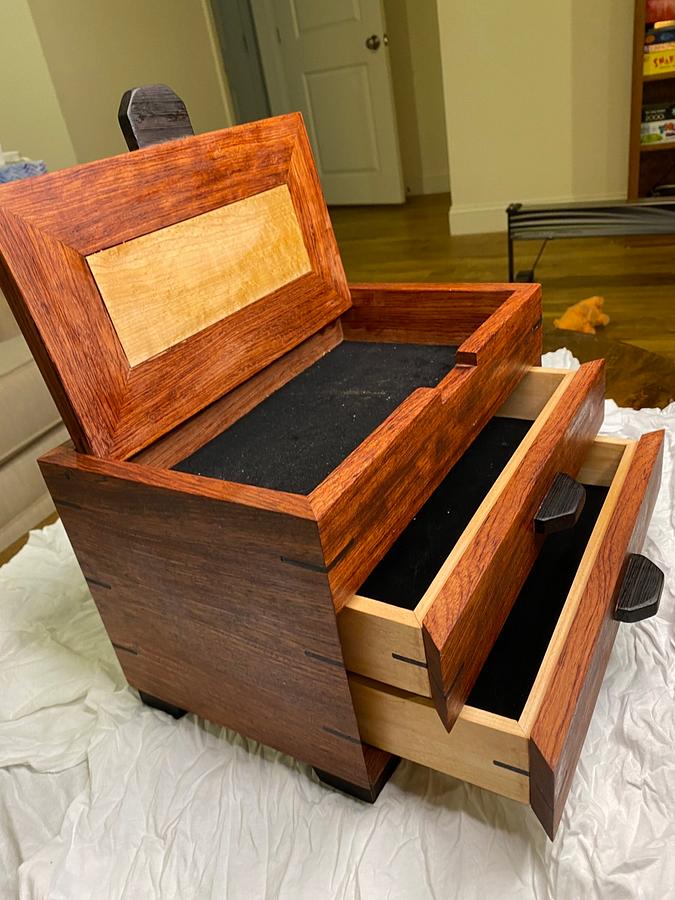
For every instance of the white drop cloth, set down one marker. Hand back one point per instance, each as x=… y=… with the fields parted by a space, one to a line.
x=101 y=797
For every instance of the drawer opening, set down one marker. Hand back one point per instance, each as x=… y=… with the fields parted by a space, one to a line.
x=508 y=675
x=569 y=590
x=405 y=573
x=299 y=434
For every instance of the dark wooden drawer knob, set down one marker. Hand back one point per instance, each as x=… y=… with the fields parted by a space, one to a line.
x=640 y=590
x=561 y=507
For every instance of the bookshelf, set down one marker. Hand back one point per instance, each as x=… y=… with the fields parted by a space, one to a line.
x=648 y=164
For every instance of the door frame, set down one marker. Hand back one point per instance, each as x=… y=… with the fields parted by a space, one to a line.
x=270 y=56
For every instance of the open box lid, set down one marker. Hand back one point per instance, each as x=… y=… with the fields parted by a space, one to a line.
x=150 y=284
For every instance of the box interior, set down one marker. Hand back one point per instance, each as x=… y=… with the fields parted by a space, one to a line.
x=406 y=571
x=293 y=439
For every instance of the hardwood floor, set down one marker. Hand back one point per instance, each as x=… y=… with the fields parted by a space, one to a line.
x=635 y=275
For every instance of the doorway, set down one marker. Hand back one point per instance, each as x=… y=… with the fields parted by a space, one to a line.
x=241 y=56
x=366 y=75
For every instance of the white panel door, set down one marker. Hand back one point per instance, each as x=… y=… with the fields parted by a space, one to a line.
x=343 y=88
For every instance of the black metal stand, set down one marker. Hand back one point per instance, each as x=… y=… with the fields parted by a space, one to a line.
x=568 y=220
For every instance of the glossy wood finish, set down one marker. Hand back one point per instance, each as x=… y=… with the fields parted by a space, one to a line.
x=48 y=226
x=502 y=754
x=216 y=603
x=468 y=603
x=385 y=642
x=635 y=275
x=562 y=701
x=418 y=312
x=152 y=114
x=368 y=500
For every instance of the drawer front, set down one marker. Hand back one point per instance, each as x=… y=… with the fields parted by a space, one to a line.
x=561 y=704
x=438 y=648
x=532 y=756
x=473 y=593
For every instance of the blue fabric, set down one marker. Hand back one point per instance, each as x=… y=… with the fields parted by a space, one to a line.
x=25 y=169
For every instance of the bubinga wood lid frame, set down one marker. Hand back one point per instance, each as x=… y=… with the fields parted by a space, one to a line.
x=150 y=284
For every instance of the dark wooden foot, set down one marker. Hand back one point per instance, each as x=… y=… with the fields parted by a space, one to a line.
x=162 y=705
x=380 y=766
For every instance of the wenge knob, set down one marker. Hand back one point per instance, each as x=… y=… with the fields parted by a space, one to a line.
x=561 y=507
x=640 y=591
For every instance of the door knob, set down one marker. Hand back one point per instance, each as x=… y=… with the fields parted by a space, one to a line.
x=373 y=42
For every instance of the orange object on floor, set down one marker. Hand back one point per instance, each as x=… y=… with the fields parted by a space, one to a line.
x=583 y=316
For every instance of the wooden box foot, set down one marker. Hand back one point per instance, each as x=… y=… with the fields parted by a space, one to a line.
x=380 y=766
x=162 y=705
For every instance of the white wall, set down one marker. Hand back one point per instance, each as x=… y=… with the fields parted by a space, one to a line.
x=95 y=50
x=414 y=53
x=537 y=100
x=31 y=120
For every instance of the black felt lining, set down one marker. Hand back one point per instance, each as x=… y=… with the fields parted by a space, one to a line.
x=507 y=677
x=407 y=570
x=298 y=435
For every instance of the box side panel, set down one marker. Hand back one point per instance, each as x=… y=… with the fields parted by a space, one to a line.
x=213 y=607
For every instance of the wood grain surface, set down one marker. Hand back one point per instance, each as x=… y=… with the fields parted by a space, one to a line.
x=420 y=313
x=216 y=606
x=384 y=642
x=483 y=749
x=364 y=504
x=49 y=225
x=152 y=114
x=163 y=287
x=635 y=275
x=563 y=700
x=464 y=609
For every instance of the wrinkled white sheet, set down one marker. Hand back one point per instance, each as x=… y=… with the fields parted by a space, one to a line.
x=101 y=797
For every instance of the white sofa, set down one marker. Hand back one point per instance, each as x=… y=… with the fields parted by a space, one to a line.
x=29 y=425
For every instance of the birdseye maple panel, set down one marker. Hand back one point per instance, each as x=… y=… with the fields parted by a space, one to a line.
x=163 y=287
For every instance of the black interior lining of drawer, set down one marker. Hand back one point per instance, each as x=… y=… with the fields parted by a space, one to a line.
x=297 y=436
x=407 y=570
x=507 y=677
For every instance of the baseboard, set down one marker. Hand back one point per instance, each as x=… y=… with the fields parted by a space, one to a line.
x=477 y=219
x=484 y=219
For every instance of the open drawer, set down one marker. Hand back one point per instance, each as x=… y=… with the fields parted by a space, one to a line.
x=428 y=614
x=523 y=727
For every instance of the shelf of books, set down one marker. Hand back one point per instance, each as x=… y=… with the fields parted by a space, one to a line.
x=652 y=126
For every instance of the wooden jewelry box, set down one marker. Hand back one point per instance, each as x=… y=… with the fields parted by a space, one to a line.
x=317 y=513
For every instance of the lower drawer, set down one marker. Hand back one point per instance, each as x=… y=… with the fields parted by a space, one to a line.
x=523 y=727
